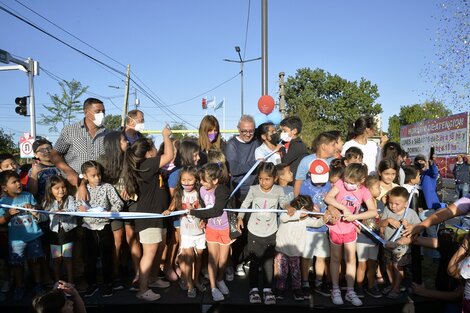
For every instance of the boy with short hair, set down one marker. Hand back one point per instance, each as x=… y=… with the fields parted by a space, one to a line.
x=399 y=257
x=8 y=162
x=23 y=231
x=284 y=178
x=353 y=155
x=42 y=168
x=316 y=244
x=295 y=150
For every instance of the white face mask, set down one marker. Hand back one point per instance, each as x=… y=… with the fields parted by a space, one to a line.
x=99 y=117
x=139 y=127
x=285 y=137
x=350 y=187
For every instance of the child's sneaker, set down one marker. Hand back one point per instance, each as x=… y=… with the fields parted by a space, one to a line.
x=91 y=290
x=306 y=292
x=279 y=294
x=107 y=291
x=217 y=295
x=351 y=296
x=222 y=287
x=254 y=296
x=360 y=292
x=298 y=295
x=200 y=287
x=336 y=296
x=374 y=292
x=192 y=293
x=240 y=271
x=269 y=297
x=323 y=289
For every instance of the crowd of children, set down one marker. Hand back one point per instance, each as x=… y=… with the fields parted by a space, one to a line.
x=330 y=215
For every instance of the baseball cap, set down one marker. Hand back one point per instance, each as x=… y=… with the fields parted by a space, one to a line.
x=318 y=170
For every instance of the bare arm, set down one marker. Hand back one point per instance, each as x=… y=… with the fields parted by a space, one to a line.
x=60 y=163
x=453 y=267
x=436 y=218
x=297 y=184
x=168 y=153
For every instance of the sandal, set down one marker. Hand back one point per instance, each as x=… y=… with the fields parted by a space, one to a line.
x=149 y=295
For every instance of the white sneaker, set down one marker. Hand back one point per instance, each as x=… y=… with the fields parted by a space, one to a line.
x=351 y=296
x=336 y=297
x=223 y=287
x=240 y=271
x=217 y=295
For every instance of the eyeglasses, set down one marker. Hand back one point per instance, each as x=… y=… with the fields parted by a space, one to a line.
x=247 y=131
x=44 y=150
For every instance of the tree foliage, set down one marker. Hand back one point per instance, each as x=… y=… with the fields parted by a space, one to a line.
x=415 y=113
x=7 y=145
x=324 y=101
x=178 y=126
x=112 y=122
x=63 y=108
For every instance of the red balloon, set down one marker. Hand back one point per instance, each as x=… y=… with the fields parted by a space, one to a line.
x=266 y=104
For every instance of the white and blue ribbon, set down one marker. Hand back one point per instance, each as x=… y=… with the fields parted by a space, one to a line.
x=249 y=173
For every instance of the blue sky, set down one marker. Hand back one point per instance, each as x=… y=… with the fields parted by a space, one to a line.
x=177 y=49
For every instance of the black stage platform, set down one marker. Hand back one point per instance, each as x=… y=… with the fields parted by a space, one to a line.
x=175 y=300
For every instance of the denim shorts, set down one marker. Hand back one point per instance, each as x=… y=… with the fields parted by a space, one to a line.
x=21 y=251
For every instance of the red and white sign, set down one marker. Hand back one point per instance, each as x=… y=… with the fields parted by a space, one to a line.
x=448 y=136
x=26 y=146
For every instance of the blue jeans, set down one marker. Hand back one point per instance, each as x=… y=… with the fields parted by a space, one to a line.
x=461 y=189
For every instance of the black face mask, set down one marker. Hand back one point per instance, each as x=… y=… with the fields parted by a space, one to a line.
x=275 y=138
x=420 y=165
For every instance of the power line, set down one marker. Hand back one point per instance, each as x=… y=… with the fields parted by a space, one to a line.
x=205 y=92
x=69 y=33
x=58 y=39
x=246 y=31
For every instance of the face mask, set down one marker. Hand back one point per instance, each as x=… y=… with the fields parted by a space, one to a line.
x=275 y=138
x=139 y=127
x=350 y=187
x=187 y=187
x=212 y=136
x=99 y=117
x=420 y=165
x=285 y=137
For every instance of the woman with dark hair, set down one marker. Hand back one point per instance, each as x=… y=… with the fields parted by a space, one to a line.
x=358 y=136
x=269 y=140
x=393 y=151
x=141 y=170
x=115 y=145
x=209 y=137
x=461 y=173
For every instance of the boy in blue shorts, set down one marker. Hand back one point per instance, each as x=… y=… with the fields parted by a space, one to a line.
x=23 y=231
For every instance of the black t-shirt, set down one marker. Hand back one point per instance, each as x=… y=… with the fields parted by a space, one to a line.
x=152 y=196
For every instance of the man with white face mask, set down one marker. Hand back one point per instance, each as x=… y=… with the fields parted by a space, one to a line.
x=80 y=142
x=134 y=125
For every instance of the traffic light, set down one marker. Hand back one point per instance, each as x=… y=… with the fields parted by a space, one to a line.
x=21 y=106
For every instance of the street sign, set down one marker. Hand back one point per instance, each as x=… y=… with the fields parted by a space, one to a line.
x=26 y=146
x=4 y=57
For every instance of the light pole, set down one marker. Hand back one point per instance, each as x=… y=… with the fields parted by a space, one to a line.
x=241 y=61
x=136 y=101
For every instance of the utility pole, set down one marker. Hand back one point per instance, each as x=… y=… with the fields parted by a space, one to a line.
x=282 y=94
x=126 y=97
x=264 y=47
x=241 y=61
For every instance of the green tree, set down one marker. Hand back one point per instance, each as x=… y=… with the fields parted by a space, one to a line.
x=415 y=113
x=112 y=122
x=178 y=126
x=63 y=108
x=325 y=101
x=7 y=145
